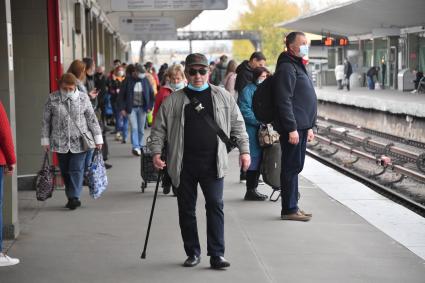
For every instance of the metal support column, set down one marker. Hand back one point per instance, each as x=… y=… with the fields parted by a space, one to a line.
x=7 y=96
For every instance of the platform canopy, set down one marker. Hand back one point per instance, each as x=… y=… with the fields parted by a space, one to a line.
x=361 y=17
x=154 y=20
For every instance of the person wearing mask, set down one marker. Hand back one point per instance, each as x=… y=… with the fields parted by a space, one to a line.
x=68 y=114
x=348 y=71
x=252 y=126
x=152 y=77
x=136 y=99
x=176 y=82
x=90 y=83
x=245 y=70
x=7 y=166
x=101 y=86
x=296 y=110
x=230 y=78
x=114 y=85
x=244 y=77
x=117 y=62
x=195 y=155
x=219 y=72
x=78 y=69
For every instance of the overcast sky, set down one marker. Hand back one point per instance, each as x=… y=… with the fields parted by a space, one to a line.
x=220 y=20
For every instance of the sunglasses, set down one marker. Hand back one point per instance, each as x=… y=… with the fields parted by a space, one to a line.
x=193 y=72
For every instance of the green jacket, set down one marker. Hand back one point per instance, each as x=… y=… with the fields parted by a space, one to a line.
x=169 y=127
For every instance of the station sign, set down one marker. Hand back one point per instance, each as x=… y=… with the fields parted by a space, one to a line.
x=149 y=28
x=167 y=5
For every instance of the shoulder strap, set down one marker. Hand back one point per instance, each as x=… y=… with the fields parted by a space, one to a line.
x=70 y=117
x=197 y=106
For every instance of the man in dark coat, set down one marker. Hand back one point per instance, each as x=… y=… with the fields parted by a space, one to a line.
x=245 y=69
x=348 y=71
x=296 y=110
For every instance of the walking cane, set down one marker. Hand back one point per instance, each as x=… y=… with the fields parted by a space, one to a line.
x=152 y=210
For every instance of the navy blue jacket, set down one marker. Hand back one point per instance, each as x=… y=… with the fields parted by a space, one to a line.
x=294 y=95
x=126 y=95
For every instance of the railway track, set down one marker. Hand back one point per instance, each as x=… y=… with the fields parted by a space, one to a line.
x=374 y=160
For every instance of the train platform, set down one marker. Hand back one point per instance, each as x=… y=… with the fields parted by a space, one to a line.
x=102 y=240
x=386 y=100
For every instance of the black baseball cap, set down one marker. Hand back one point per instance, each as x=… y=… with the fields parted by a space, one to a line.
x=196 y=59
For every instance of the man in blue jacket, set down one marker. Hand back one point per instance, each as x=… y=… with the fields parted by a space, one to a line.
x=136 y=99
x=296 y=110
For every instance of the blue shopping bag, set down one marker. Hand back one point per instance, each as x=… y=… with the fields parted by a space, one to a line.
x=97 y=178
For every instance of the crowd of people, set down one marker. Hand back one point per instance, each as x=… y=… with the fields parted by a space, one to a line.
x=185 y=104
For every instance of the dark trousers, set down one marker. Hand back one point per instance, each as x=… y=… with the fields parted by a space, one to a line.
x=293 y=157
x=252 y=177
x=204 y=173
x=72 y=170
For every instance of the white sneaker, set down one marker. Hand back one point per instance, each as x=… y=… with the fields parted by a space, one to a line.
x=7 y=261
x=136 y=151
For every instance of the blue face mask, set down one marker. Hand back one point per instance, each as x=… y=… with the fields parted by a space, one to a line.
x=201 y=88
x=180 y=85
x=303 y=50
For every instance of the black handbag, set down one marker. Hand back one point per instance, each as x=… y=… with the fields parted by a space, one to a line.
x=44 y=184
x=197 y=105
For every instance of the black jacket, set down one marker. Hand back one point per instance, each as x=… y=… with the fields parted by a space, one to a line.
x=126 y=95
x=294 y=95
x=348 y=70
x=244 y=76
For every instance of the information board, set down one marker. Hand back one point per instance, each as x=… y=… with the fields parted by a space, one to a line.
x=150 y=28
x=167 y=5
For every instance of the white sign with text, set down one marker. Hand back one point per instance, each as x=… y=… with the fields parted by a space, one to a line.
x=167 y=5
x=150 y=28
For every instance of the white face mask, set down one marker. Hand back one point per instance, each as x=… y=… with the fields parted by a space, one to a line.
x=142 y=76
x=303 y=50
x=121 y=73
x=70 y=94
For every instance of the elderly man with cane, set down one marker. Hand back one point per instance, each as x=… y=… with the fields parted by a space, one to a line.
x=195 y=121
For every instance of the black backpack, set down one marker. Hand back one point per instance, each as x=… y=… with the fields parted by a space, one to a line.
x=262 y=101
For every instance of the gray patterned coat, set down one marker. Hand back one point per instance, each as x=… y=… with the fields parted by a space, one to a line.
x=59 y=131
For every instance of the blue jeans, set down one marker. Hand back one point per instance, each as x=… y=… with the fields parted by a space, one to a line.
x=370 y=83
x=88 y=160
x=137 y=122
x=293 y=156
x=1 y=207
x=187 y=192
x=72 y=170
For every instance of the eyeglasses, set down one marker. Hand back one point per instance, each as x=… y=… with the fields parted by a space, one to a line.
x=202 y=72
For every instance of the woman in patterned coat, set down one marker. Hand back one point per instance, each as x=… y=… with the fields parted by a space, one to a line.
x=68 y=114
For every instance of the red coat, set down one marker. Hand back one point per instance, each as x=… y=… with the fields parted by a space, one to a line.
x=163 y=93
x=7 y=151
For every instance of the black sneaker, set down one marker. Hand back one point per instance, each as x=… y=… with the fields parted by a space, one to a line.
x=254 y=195
x=74 y=203
x=108 y=166
x=218 y=262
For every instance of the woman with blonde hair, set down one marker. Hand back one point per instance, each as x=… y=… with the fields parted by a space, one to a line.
x=68 y=123
x=176 y=81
